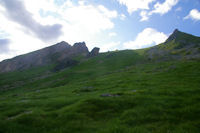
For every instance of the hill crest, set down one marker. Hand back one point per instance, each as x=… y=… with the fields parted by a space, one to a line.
x=179 y=45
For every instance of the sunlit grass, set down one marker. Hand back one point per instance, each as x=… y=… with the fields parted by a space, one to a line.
x=159 y=97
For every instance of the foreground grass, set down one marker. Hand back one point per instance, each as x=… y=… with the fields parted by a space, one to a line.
x=160 y=97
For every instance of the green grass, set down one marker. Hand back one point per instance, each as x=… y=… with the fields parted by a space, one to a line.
x=157 y=97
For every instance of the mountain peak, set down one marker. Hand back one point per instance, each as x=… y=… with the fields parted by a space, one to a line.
x=58 y=47
x=176 y=31
x=173 y=36
x=62 y=43
x=79 y=44
x=182 y=37
x=179 y=45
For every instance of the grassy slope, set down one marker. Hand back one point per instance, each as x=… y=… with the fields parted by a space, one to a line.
x=182 y=39
x=154 y=97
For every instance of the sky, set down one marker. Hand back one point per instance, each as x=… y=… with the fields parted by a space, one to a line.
x=29 y=25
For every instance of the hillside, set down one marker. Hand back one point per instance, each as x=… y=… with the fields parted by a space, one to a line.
x=128 y=91
x=179 y=45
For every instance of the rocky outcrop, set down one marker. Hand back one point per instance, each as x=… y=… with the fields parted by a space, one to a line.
x=60 y=52
x=80 y=47
x=94 y=52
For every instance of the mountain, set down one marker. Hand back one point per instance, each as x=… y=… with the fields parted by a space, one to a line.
x=179 y=45
x=59 y=53
x=112 y=92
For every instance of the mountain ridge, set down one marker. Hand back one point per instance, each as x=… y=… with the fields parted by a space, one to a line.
x=179 y=45
x=59 y=52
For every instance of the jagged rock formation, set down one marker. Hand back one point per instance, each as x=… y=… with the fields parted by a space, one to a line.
x=94 y=52
x=179 y=45
x=58 y=53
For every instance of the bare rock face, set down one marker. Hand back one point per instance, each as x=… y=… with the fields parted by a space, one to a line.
x=60 y=52
x=94 y=52
x=80 y=47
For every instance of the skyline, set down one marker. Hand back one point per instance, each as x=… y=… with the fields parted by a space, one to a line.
x=110 y=25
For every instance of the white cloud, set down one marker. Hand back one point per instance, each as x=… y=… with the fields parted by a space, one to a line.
x=80 y=21
x=91 y=18
x=112 y=34
x=86 y=23
x=110 y=46
x=159 y=8
x=144 y=15
x=194 y=15
x=178 y=9
x=122 y=17
x=165 y=7
x=20 y=41
x=134 y=5
x=148 y=37
x=6 y=56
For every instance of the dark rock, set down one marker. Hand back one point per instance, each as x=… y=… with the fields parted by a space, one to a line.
x=94 y=52
x=88 y=87
x=106 y=95
x=15 y=95
x=85 y=89
x=37 y=91
x=80 y=47
x=134 y=90
x=109 y=95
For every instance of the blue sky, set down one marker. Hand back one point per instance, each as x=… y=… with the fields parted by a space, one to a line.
x=28 y=25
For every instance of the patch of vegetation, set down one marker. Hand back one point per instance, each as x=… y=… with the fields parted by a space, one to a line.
x=157 y=97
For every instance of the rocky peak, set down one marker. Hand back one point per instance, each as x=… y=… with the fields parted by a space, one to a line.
x=173 y=36
x=58 y=47
x=94 y=52
x=79 y=44
x=80 y=47
x=63 y=43
x=176 y=31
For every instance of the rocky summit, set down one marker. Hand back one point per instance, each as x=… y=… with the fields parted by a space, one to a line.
x=55 y=54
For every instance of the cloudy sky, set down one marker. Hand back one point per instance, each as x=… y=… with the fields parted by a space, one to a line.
x=28 y=25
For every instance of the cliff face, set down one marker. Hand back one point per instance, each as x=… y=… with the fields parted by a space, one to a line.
x=56 y=53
